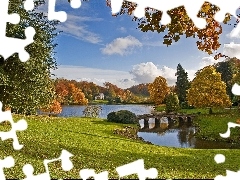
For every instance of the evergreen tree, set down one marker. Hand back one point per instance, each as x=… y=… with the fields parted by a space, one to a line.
x=182 y=83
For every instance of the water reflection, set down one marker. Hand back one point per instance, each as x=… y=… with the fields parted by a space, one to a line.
x=77 y=111
x=166 y=132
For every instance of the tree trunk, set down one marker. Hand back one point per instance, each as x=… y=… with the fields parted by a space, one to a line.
x=210 y=110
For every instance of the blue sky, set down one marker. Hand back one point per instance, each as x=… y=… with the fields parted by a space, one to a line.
x=95 y=46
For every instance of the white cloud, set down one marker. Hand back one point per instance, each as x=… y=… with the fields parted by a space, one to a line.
x=140 y=73
x=235 y=33
x=75 y=27
x=147 y=72
x=122 y=46
x=98 y=76
x=232 y=50
x=206 y=61
x=122 y=29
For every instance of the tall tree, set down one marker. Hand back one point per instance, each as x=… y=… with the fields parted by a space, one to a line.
x=158 y=90
x=182 y=83
x=25 y=87
x=208 y=90
x=236 y=79
x=181 y=24
x=227 y=70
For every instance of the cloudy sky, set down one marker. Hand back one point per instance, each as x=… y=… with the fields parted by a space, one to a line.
x=97 y=47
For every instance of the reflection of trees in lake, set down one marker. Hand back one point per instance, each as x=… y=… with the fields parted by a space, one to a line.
x=186 y=135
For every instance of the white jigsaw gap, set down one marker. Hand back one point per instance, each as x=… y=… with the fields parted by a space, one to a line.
x=60 y=15
x=137 y=167
x=9 y=45
x=192 y=8
x=21 y=125
x=8 y=162
x=87 y=173
x=29 y=5
x=67 y=165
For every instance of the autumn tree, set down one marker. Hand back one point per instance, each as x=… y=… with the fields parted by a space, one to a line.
x=182 y=83
x=208 y=90
x=181 y=24
x=76 y=96
x=53 y=108
x=140 y=89
x=158 y=90
x=26 y=87
x=113 y=92
x=61 y=90
x=89 y=89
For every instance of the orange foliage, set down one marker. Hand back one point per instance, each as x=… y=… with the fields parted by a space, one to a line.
x=53 y=108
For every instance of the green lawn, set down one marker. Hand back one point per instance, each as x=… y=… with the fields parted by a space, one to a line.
x=94 y=145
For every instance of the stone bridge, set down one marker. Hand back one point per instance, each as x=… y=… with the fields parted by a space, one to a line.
x=171 y=118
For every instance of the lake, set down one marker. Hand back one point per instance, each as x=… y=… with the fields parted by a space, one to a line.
x=70 y=111
x=171 y=135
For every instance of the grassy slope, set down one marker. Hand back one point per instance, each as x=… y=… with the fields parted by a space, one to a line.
x=93 y=145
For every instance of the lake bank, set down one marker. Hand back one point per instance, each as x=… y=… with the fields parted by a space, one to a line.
x=201 y=137
x=94 y=145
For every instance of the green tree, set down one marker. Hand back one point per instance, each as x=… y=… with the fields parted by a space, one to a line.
x=172 y=102
x=182 y=83
x=236 y=79
x=26 y=87
x=227 y=69
x=208 y=90
x=158 y=90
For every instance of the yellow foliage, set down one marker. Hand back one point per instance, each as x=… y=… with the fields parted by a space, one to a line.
x=158 y=90
x=207 y=89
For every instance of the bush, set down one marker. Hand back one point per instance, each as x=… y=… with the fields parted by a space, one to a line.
x=184 y=105
x=92 y=111
x=122 y=116
x=172 y=103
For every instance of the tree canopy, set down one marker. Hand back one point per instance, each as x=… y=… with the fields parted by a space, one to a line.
x=25 y=87
x=182 y=83
x=181 y=24
x=208 y=90
x=158 y=90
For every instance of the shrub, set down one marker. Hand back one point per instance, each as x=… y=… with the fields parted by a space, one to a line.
x=122 y=116
x=184 y=105
x=172 y=103
x=92 y=111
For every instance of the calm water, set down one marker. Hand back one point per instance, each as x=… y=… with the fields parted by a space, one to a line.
x=68 y=111
x=172 y=135
x=178 y=135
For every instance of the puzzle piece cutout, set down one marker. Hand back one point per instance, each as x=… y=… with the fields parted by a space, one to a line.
x=9 y=45
x=52 y=14
x=66 y=164
x=137 y=167
x=87 y=173
x=8 y=162
x=219 y=158
x=192 y=8
x=21 y=125
x=227 y=133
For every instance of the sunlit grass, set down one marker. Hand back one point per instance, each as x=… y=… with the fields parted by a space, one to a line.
x=94 y=145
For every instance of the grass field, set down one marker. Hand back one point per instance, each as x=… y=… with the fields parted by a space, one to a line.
x=94 y=146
